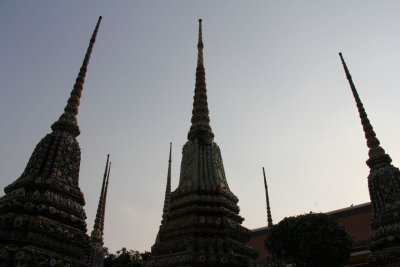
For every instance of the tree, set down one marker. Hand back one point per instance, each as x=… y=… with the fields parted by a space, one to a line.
x=125 y=258
x=311 y=240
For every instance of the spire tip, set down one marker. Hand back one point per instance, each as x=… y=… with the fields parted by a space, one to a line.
x=376 y=153
x=67 y=122
x=200 y=129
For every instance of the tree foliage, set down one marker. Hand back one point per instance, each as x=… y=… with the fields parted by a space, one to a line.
x=311 y=240
x=125 y=258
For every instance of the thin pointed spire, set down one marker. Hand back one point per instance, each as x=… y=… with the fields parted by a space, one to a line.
x=269 y=216
x=200 y=129
x=167 y=199
x=67 y=121
x=96 y=234
x=376 y=152
x=103 y=215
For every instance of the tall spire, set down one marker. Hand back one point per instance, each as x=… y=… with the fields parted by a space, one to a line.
x=49 y=198
x=200 y=129
x=103 y=215
x=67 y=121
x=384 y=192
x=269 y=216
x=96 y=234
x=376 y=153
x=202 y=225
x=168 y=187
x=96 y=255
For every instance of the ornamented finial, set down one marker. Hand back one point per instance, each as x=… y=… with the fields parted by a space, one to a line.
x=96 y=234
x=200 y=129
x=376 y=153
x=269 y=216
x=167 y=199
x=67 y=121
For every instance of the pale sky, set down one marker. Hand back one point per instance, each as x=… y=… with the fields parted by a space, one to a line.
x=278 y=98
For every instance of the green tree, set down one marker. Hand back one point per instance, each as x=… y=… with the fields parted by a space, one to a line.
x=311 y=240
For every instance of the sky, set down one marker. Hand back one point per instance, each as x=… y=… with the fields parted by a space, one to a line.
x=278 y=98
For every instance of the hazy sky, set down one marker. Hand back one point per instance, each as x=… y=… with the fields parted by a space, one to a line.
x=277 y=92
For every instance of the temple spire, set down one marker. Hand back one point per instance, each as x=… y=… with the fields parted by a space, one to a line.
x=269 y=216
x=167 y=199
x=67 y=121
x=384 y=192
x=96 y=234
x=103 y=210
x=202 y=226
x=200 y=129
x=376 y=153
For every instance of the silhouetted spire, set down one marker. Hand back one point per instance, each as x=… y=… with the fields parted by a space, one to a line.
x=67 y=121
x=269 y=216
x=202 y=226
x=384 y=192
x=103 y=215
x=376 y=153
x=200 y=128
x=167 y=199
x=96 y=234
x=52 y=226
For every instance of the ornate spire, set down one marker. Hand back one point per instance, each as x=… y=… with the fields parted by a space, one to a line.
x=202 y=226
x=96 y=234
x=103 y=215
x=200 y=129
x=96 y=255
x=269 y=216
x=47 y=196
x=168 y=187
x=376 y=153
x=384 y=191
x=67 y=121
